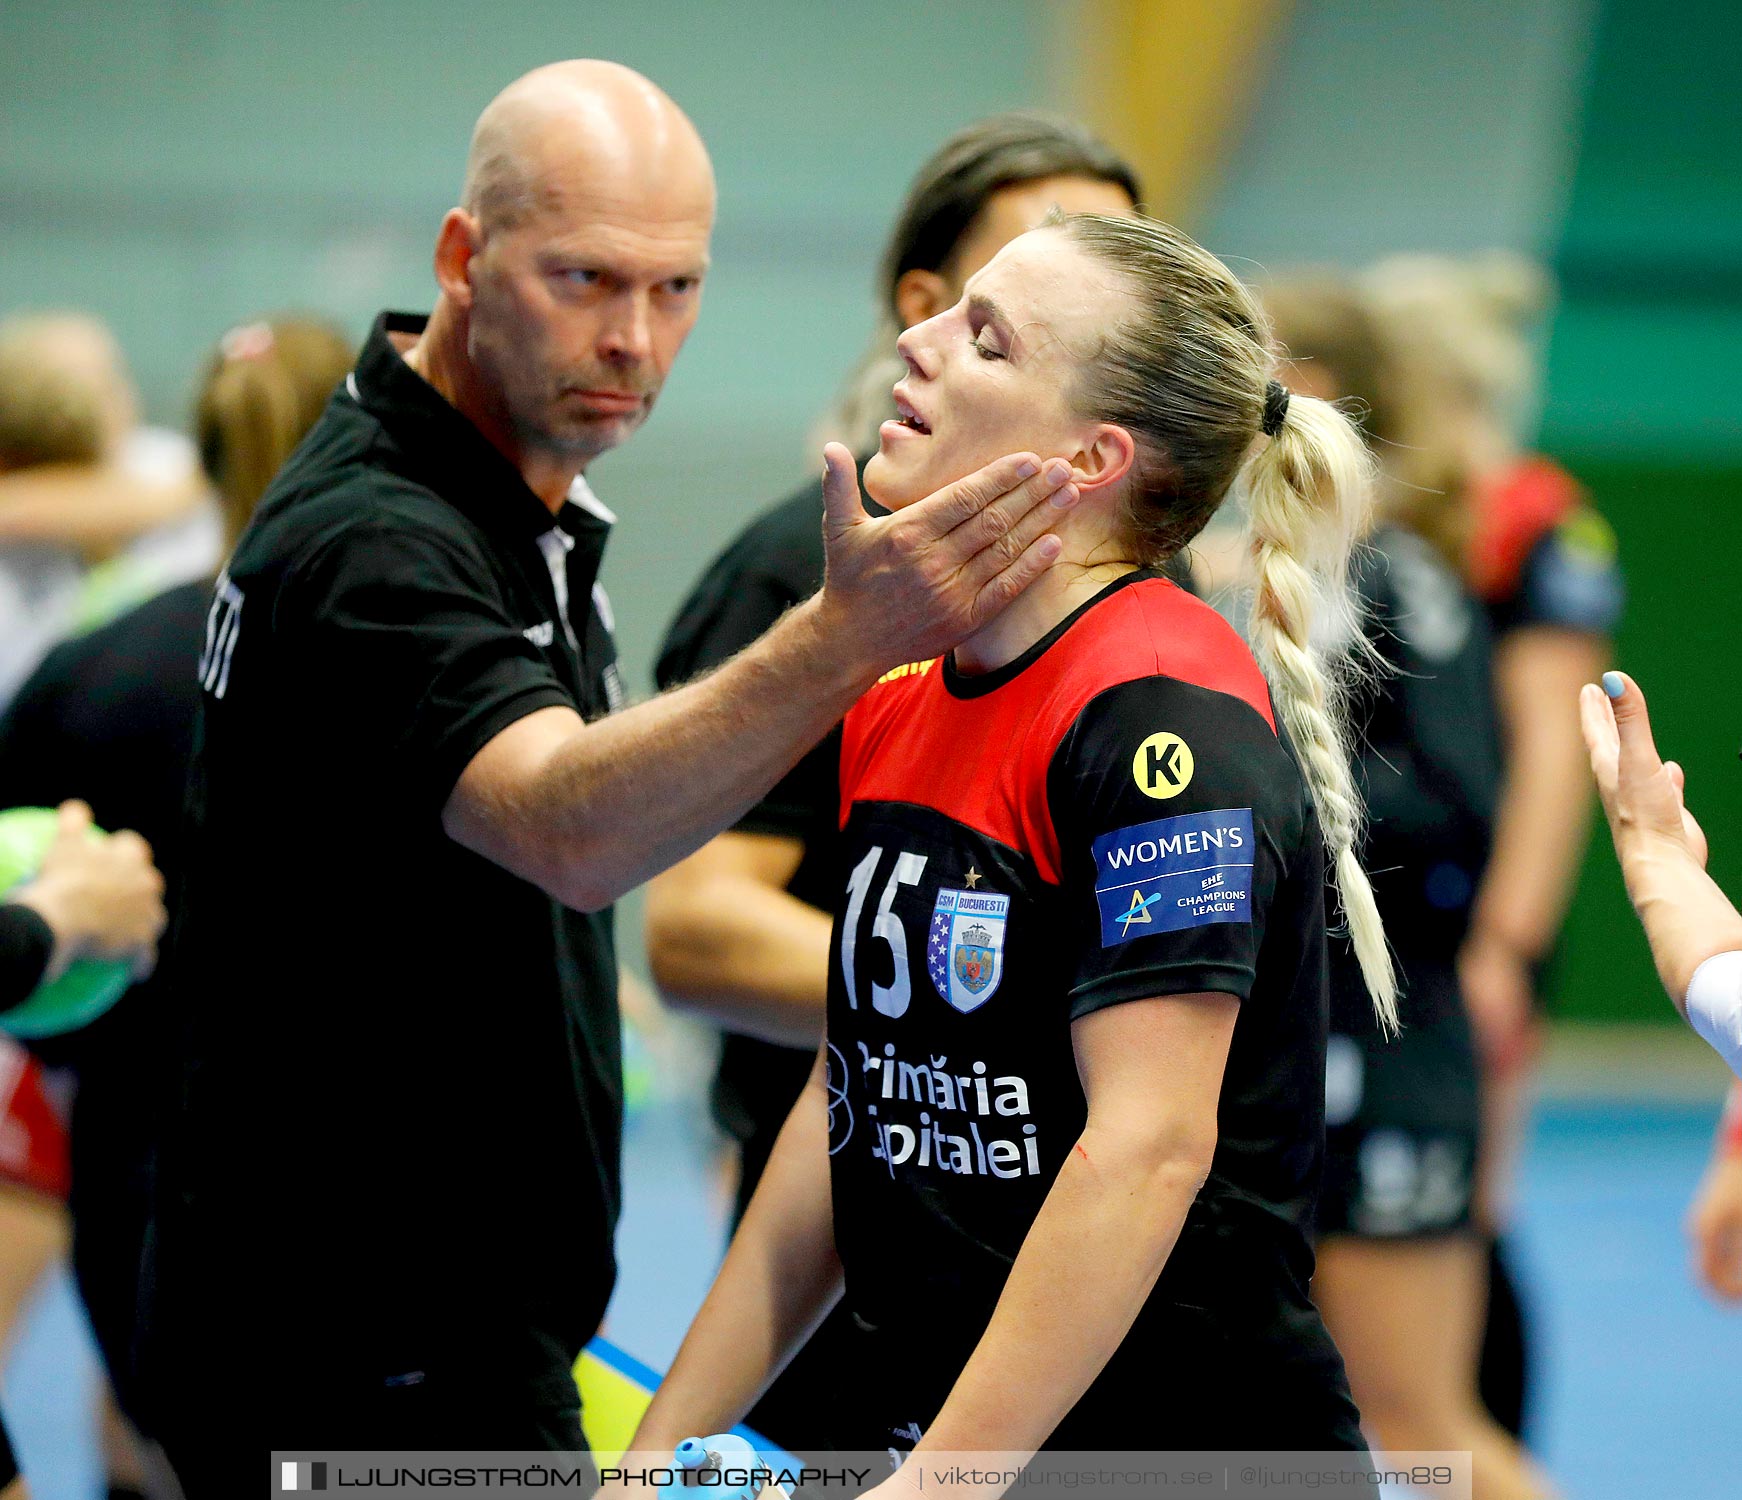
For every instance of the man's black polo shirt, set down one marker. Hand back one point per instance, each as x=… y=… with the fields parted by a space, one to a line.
x=396 y=1155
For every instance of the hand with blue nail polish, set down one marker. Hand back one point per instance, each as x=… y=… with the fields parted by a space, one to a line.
x=1642 y=794
x=1662 y=849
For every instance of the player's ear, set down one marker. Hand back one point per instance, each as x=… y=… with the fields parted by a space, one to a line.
x=1105 y=459
x=920 y=295
x=457 y=241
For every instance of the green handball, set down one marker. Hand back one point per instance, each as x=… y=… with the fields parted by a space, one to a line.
x=89 y=986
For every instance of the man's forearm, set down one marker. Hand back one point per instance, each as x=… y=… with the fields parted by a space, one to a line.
x=630 y=795
x=589 y=812
x=94 y=508
x=743 y=954
x=1543 y=819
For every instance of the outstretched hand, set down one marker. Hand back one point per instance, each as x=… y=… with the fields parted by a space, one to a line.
x=1643 y=795
x=911 y=585
x=100 y=896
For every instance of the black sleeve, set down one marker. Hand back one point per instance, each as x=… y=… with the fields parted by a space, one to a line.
x=725 y=613
x=408 y=638
x=735 y=603
x=1178 y=814
x=26 y=945
x=30 y=775
x=1571 y=579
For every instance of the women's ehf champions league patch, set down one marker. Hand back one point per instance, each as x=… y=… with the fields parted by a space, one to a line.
x=965 y=954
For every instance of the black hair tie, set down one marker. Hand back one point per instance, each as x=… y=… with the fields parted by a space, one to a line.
x=1275 y=408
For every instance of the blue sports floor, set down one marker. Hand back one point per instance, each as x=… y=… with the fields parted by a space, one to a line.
x=1642 y=1376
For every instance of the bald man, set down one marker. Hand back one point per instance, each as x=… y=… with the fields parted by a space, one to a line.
x=390 y=1186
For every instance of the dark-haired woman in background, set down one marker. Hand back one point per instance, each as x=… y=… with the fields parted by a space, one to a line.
x=108 y=717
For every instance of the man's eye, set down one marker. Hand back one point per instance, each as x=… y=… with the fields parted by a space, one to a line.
x=985 y=351
x=579 y=275
x=682 y=285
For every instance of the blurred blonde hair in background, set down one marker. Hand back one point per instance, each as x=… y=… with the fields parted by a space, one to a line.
x=65 y=394
x=264 y=387
x=1478 y=315
x=1439 y=355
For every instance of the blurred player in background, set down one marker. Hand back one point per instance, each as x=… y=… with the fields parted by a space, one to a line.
x=89 y=898
x=1715 y=1216
x=108 y=716
x=738 y=933
x=96 y=511
x=1544 y=564
x=1402 y=1269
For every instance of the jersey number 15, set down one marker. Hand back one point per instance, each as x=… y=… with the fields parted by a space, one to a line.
x=886 y=999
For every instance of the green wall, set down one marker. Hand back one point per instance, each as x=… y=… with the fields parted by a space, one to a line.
x=1680 y=530
x=1641 y=402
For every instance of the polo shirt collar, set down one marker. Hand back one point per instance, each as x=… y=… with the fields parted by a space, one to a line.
x=460 y=463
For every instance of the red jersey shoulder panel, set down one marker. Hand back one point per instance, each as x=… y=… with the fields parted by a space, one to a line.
x=1514 y=511
x=982 y=761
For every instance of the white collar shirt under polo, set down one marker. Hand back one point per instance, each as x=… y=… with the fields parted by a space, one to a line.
x=556 y=544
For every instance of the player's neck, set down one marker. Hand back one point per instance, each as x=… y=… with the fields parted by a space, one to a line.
x=439 y=356
x=1066 y=586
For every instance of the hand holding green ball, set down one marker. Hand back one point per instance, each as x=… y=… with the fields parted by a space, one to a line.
x=101 y=897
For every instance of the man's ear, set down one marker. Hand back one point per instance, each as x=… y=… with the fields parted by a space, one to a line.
x=1105 y=460
x=457 y=241
x=920 y=295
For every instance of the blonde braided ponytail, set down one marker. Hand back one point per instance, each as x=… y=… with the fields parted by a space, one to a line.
x=1186 y=371
x=1309 y=497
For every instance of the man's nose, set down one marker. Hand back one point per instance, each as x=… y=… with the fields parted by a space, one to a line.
x=626 y=337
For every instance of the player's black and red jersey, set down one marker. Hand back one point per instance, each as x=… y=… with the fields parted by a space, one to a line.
x=1111 y=816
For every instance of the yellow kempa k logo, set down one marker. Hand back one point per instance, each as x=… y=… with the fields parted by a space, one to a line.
x=1162 y=767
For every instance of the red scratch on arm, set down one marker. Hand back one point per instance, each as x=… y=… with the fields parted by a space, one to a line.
x=1082 y=1153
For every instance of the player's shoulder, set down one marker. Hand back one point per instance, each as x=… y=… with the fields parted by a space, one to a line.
x=353 y=538
x=897 y=691
x=1532 y=506
x=1153 y=633
x=355 y=506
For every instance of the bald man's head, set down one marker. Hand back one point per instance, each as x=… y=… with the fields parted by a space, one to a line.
x=571 y=273
x=581 y=126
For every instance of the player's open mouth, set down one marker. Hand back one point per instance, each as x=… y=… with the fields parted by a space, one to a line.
x=906 y=416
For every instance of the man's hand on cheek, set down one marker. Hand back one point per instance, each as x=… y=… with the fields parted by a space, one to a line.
x=909 y=586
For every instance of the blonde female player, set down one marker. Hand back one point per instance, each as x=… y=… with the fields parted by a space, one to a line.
x=1062 y=1139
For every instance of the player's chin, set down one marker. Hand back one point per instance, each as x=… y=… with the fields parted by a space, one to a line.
x=886 y=481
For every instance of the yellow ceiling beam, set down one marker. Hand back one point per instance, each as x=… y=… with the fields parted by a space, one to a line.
x=1167 y=82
